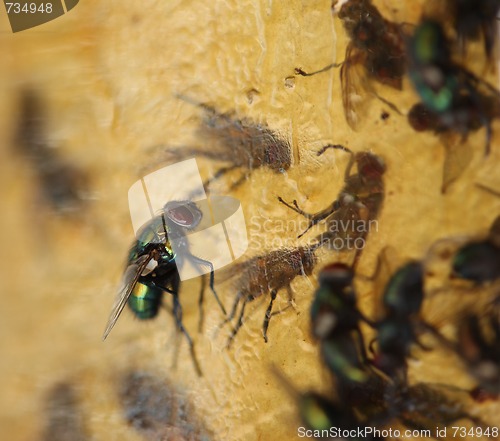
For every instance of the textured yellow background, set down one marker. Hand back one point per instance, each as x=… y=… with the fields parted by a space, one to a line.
x=108 y=73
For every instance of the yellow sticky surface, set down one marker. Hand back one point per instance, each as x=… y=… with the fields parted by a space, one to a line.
x=108 y=74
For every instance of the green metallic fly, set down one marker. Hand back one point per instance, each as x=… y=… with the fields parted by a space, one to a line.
x=151 y=267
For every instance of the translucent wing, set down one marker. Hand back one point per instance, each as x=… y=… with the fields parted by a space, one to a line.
x=387 y=263
x=458 y=155
x=130 y=277
x=354 y=84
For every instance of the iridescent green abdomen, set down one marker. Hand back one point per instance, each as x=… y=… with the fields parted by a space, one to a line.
x=432 y=72
x=145 y=298
x=145 y=301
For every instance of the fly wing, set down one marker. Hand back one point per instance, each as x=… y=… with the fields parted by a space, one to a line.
x=458 y=155
x=241 y=268
x=353 y=81
x=130 y=277
x=387 y=262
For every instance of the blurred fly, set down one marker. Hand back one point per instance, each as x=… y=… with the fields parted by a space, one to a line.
x=241 y=144
x=479 y=261
x=151 y=267
x=62 y=184
x=398 y=327
x=335 y=324
x=453 y=100
x=475 y=20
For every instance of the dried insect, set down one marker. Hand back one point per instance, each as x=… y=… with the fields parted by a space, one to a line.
x=268 y=274
x=240 y=143
x=63 y=185
x=350 y=217
x=151 y=267
x=158 y=410
x=376 y=51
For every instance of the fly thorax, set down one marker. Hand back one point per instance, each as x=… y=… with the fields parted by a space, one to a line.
x=346 y=199
x=325 y=324
x=434 y=77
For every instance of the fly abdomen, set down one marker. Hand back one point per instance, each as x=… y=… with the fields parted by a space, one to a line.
x=145 y=301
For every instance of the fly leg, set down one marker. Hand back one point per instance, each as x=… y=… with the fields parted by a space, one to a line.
x=268 y=315
x=388 y=103
x=299 y=71
x=348 y=169
x=232 y=314
x=240 y=181
x=177 y=312
x=333 y=146
x=313 y=218
x=203 y=262
x=239 y=324
x=221 y=172
x=323 y=214
x=200 y=302
x=290 y=301
x=180 y=326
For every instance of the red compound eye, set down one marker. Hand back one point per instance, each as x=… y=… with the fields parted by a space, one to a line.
x=336 y=272
x=336 y=267
x=185 y=214
x=370 y=166
x=181 y=216
x=421 y=119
